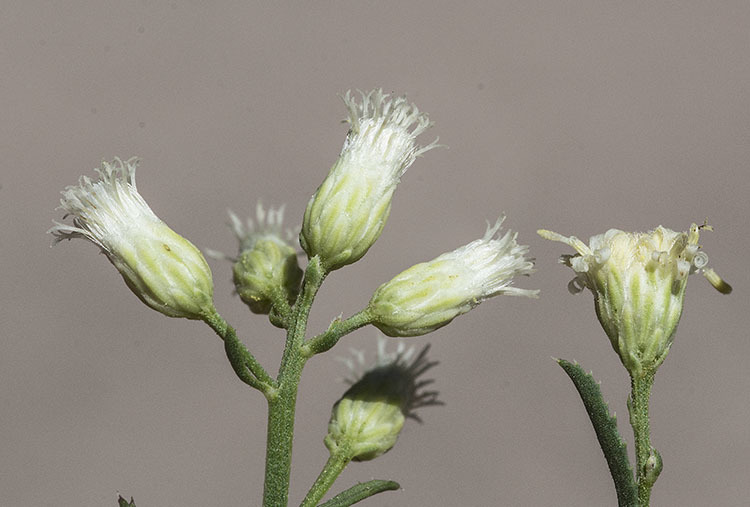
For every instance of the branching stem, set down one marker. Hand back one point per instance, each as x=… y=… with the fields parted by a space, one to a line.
x=244 y=364
x=335 y=331
x=281 y=408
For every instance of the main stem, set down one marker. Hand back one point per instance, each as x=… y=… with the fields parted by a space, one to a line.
x=647 y=460
x=280 y=436
x=281 y=408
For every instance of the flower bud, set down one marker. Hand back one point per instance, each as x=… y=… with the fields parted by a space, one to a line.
x=161 y=267
x=638 y=281
x=267 y=263
x=430 y=295
x=349 y=209
x=366 y=421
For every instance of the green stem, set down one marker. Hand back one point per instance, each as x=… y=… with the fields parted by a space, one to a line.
x=332 y=469
x=335 y=332
x=647 y=459
x=281 y=407
x=244 y=364
x=281 y=313
x=280 y=436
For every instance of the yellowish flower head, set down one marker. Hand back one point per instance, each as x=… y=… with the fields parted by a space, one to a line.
x=349 y=210
x=638 y=281
x=161 y=267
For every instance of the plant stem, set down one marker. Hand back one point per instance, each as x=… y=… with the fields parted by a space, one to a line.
x=281 y=407
x=280 y=436
x=335 y=332
x=244 y=364
x=332 y=469
x=647 y=459
x=281 y=313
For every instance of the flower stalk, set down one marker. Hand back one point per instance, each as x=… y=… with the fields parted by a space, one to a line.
x=336 y=464
x=647 y=459
x=336 y=331
x=244 y=364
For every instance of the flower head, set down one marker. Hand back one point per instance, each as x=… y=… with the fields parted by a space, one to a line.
x=162 y=268
x=266 y=265
x=638 y=281
x=366 y=421
x=431 y=294
x=349 y=209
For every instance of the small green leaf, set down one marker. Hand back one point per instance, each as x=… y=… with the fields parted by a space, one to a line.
x=605 y=427
x=359 y=492
x=125 y=503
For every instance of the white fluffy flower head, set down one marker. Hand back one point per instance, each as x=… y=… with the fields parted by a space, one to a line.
x=162 y=268
x=431 y=294
x=638 y=281
x=103 y=209
x=348 y=211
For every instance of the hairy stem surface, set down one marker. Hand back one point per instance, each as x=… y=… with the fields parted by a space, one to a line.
x=647 y=459
x=281 y=407
x=332 y=469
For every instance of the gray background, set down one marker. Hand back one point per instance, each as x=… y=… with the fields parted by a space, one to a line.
x=573 y=116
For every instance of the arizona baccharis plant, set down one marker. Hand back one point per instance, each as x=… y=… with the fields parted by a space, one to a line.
x=342 y=220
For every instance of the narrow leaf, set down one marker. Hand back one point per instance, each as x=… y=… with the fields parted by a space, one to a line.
x=605 y=427
x=359 y=492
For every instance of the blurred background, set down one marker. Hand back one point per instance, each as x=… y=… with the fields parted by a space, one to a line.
x=572 y=116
